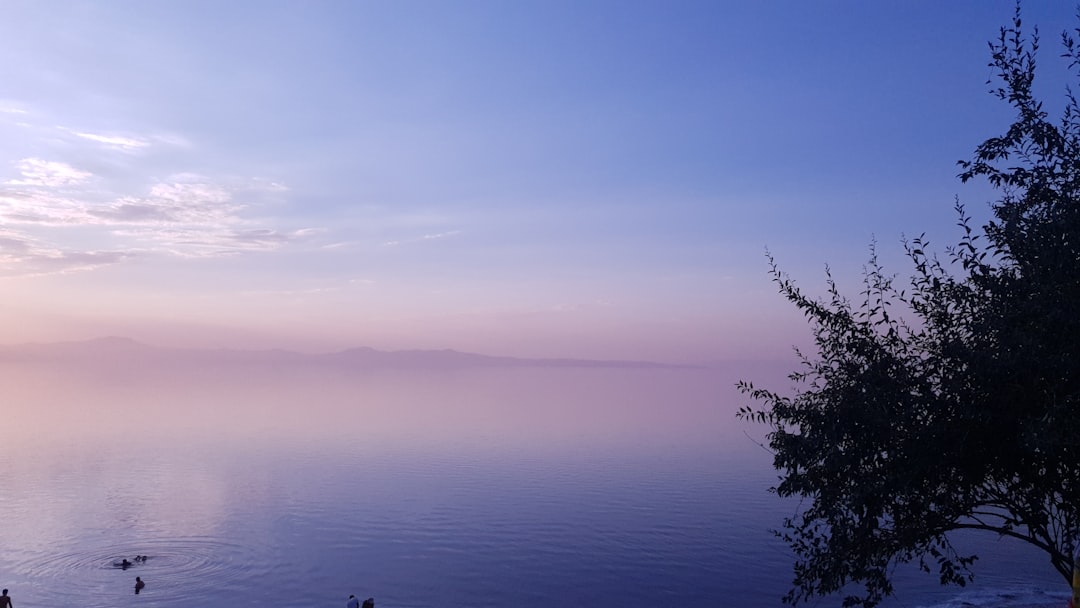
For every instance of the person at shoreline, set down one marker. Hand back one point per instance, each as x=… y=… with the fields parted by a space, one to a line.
x=5 y=600
x=139 y=584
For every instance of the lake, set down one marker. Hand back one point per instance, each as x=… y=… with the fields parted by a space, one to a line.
x=481 y=488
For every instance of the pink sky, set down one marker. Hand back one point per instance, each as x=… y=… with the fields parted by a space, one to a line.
x=534 y=179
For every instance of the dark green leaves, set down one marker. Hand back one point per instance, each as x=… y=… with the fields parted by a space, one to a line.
x=953 y=403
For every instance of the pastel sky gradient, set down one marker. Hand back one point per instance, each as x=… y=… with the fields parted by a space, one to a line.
x=586 y=179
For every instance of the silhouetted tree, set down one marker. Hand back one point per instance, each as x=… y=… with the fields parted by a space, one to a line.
x=954 y=402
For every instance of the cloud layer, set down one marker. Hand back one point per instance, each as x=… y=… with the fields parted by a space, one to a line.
x=59 y=213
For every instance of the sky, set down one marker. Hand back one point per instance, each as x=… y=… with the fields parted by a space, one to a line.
x=553 y=178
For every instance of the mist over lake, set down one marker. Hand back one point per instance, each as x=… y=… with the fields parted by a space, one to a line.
x=445 y=303
x=530 y=486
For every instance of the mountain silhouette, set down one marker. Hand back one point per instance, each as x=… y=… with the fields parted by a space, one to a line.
x=120 y=350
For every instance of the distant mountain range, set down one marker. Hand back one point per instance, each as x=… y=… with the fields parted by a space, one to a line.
x=117 y=350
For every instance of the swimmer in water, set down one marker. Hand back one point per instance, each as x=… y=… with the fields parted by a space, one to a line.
x=139 y=584
x=124 y=564
x=5 y=601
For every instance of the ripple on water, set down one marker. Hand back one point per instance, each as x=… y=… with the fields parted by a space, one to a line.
x=175 y=568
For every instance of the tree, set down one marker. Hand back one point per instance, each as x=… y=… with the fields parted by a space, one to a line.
x=952 y=403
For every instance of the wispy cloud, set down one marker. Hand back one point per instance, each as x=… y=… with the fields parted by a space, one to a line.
x=419 y=239
x=47 y=173
x=24 y=256
x=209 y=241
x=441 y=235
x=22 y=206
x=113 y=141
x=85 y=199
x=259 y=184
x=187 y=215
x=189 y=204
x=39 y=201
x=128 y=142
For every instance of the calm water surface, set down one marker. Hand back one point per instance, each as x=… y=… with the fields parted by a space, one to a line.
x=524 y=488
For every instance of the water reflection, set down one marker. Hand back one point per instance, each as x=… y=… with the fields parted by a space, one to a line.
x=487 y=488
x=523 y=408
x=482 y=488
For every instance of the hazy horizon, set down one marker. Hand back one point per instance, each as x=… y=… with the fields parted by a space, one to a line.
x=93 y=347
x=588 y=180
x=594 y=180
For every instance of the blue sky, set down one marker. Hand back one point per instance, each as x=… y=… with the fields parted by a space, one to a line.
x=593 y=179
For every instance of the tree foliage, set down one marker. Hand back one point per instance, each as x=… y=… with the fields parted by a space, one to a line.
x=952 y=403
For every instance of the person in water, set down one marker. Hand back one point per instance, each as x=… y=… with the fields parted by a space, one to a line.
x=5 y=601
x=124 y=564
x=139 y=584
x=353 y=602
